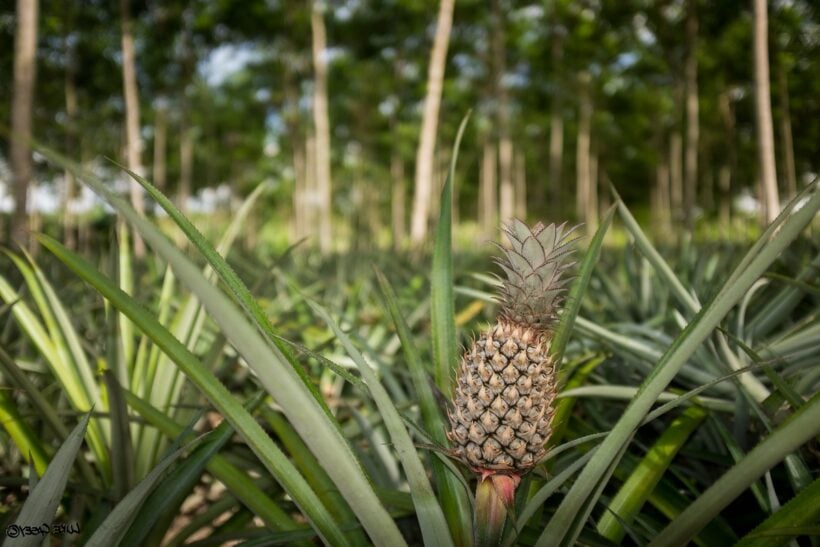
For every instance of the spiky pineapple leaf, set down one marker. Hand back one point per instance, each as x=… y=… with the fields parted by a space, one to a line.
x=571 y=516
x=41 y=504
x=579 y=287
x=445 y=340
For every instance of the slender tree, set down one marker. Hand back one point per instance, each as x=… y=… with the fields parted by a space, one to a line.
x=25 y=67
x=398 y=198
x=488 y=190
x=786 y=139
x=556 y=123
x=70 y=87
x=321 y=121
x=133 y=140
x=427 y=143
x=675 y=174
x=187 y=131
x=583 y=149
x=505 y=146
x=159 y=171
x=591 y=206
x=690 y=178
x=520 y=185
x=729 y=162
x=763 y=111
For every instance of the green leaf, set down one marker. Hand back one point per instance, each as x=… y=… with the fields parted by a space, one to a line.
x=627 y=503
x=536 y=503
x=442 y=306
x=690 y=303
x=113 y=528
x=279 y=378
x=795 y=518
x=563 y=406
x=431 y=518
x=455 y=500
x=579 y=288
x=164 y=502
x=46 y=410
x=445 y=339
x=571 y=515
x=239 y=290
x=788 y=437
x=59 y=343
x=21 y=434
x=122 y=454
x=41 y=504
x=125 y=275
x=279 y=466
x=235 y=480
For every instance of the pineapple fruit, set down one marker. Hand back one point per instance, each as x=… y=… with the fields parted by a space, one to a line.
x=502 y=407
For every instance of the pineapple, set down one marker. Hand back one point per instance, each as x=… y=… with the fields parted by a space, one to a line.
x=502 y=406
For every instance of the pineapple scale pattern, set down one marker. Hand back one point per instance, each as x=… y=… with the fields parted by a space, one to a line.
x=502 y=408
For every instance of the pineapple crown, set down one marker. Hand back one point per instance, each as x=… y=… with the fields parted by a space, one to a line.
x=535 y=265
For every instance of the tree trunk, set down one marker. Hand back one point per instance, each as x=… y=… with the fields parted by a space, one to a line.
x=69 y=218
x=690 y=182
x=505 y=146
x=25 y=68
x=132 y=116
x=724 y=194
x=427 y=144
x=300 y=229
x=488 y=192
x=310 y=199
x=300 y=182
x=582 y=150
x=160 y=171
x=786 y=131
x=591 y=213
x=556 y=125
x=321 y=120
x=292 y=118
x=521 y=185
x=604 y=183
x=729 y=163
x=187 y=134
x=763 y=111
x=398 y=201
x=675 y=174
x=186 y=166
x=661 y=204
x=708 y=175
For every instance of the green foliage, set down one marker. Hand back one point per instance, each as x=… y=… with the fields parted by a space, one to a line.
x=351 y=449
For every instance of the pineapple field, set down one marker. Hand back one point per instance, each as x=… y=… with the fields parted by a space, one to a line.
x=406 y=273
x=561 y=388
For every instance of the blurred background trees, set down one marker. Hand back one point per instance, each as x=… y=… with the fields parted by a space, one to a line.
x=686 y=107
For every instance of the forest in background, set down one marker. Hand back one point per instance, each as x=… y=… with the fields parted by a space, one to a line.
x=290 y=341
x=348 y=109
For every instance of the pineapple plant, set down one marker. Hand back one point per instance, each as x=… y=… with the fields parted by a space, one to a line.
x=502 y=408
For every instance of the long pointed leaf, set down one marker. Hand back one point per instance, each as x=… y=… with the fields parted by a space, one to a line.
x=217 y=394
x=558 y=531
x=239 y=483
x=790 y=435
x=455 y=500
x=275 y=373
x=579 y=287
x=442 y=307
x=41 y=505
x=431 y=518
x=226 y=273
